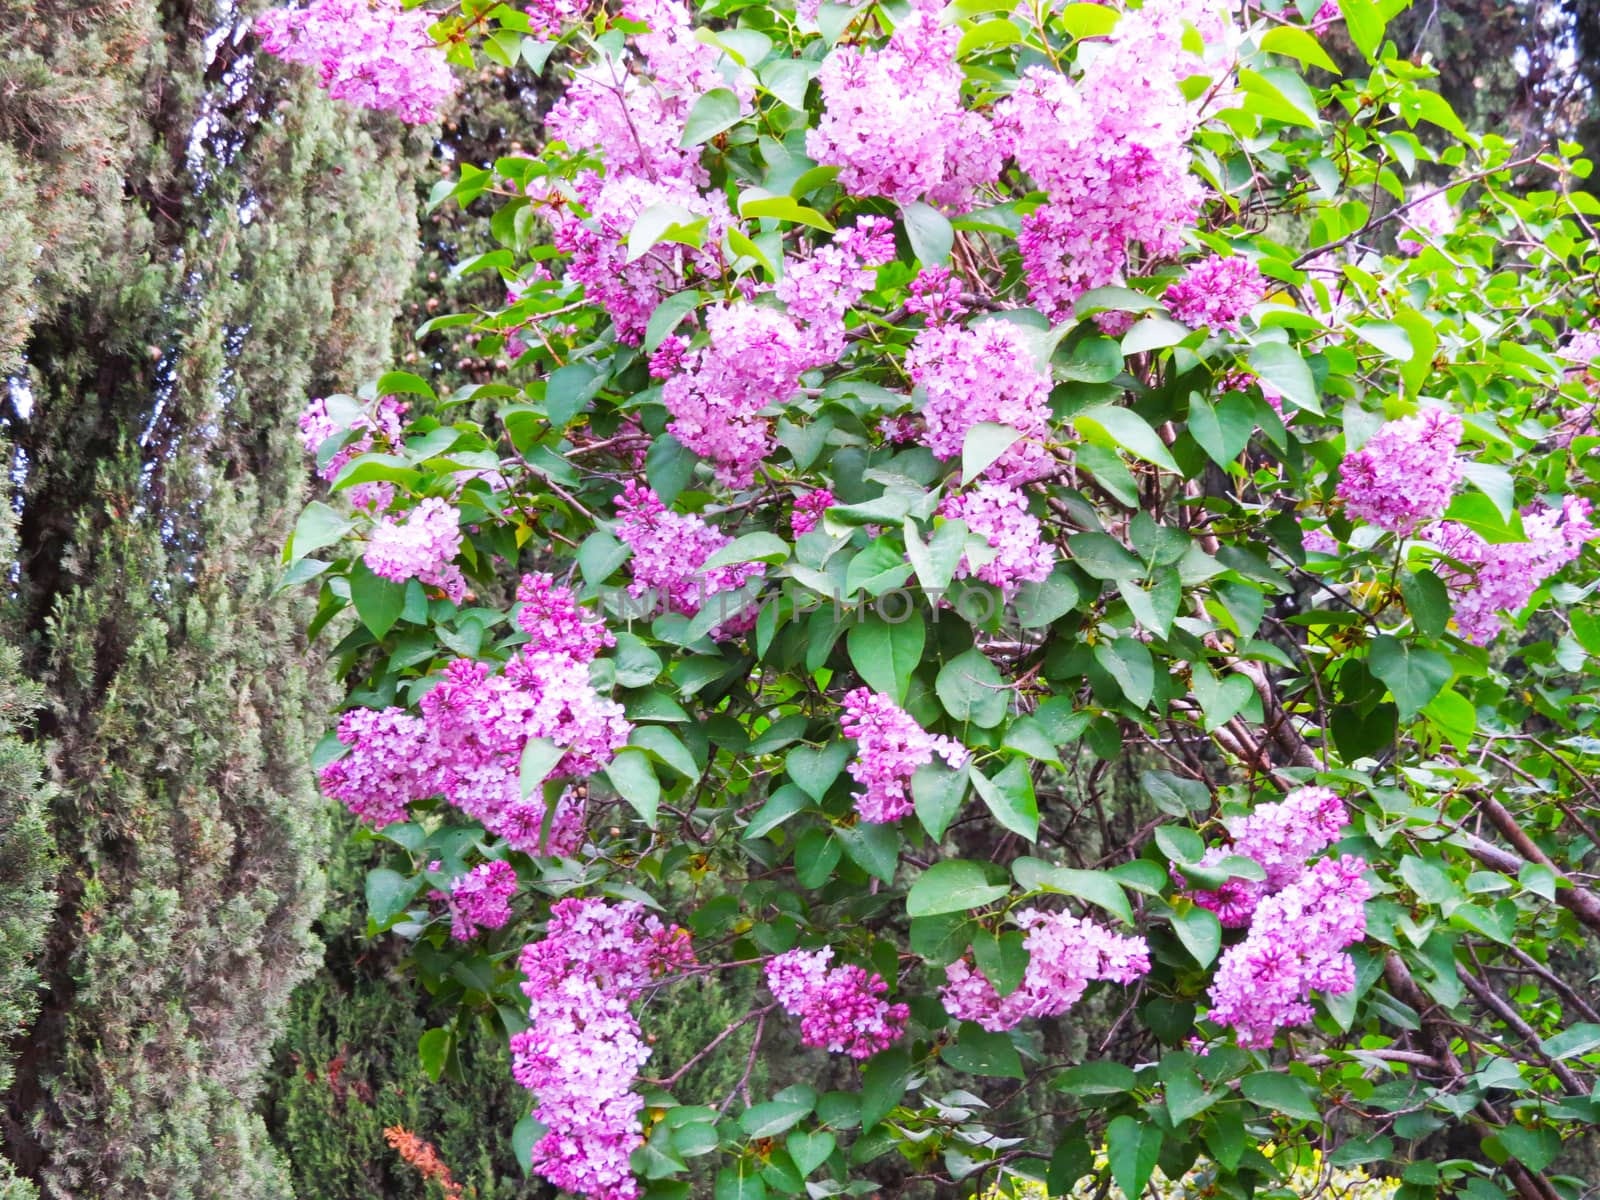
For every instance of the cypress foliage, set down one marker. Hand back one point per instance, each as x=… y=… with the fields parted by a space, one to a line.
x=255 y=242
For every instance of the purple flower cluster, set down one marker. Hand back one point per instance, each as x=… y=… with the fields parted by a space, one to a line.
x=1111 y=152
x=893 y=120
x=936 y=294
x=467 y=745
x=422 y=545
x=583 y=1049
x=754 y=355
x=481 y=899
x=1281 y=838
x=668 y=550
x=890 y=746
x=1065 y=954
x=1216 y=292
x=1432 y=219
x=1502 y=577
x=999 y=514
x=808 y=510
x=372 y=53
x=841 y=1009
x=1405 y=473
x=555 y=622
x=986 y=373
x=1295 y=946
x=382 y=424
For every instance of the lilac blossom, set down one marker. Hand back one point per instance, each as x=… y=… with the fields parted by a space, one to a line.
x=841 y=1009
x=1216 y=292
x=890 y=746
x=1405 y=473
x=420 y=545
x=999 y=514
x=1065 y=954
x=481 y=899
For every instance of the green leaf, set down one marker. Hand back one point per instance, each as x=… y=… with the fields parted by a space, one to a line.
x=317 y=527
x=568 y=389
x=1280 y=95
x=1573 y=1042
x=1413 y=676
x=1009 y=797
x=404 y=383
x=885 y=653
x=1128 y=661
x=1223 y=431
x=955 y=885
x=433 y=1047
x=773 y=1117
x=1126 y=430
x=1298 y=44
x=1041 y=603
x=810 y=1150
x=739 y=1183
x=634 y=778
x=883 y=1083
x=388 y=893
x=780 y=806
x=1219 y=700
x=1281 y=1093
x=1103 y=557
x=814 y=768
x=379 y=602
x=929 y=232
x=749 y=547
x=667 y=316
x=1281 y=365
x=1200 y=932
x=1132 y=1146
x=1427 y=601
x=935 y=560
x=1102 y=1078
x=664 y=223
x=1390 y=339
x=985 y=442
x=714 y=112
x=1365 y=23
x=1096 y=887
x=755 y=203
x=539 y=758
x=986 y=35
x=872 y=847
x=938 y=792
x=1154 y=333
x=971 y=690
x=1481 y=514
x=525 y=1135
x=979 y=1052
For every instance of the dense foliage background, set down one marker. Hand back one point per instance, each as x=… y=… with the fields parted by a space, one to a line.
x=195 y=240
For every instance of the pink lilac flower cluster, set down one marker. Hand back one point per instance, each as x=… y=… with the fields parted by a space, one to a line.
x=1497 y=578
x=390 y=764
x=481 y=899
x=936 y=294
x=383 y=424
x=1295 y=946
x=1216 y=292
x=893 y=121
x=808 y=510
x=841 y=1009
x=548 y=18
x=420 y=545
x=1405 y=473
x=1582 y=350
x=986 y=373
x=467 y=745
x=1281 y=838
x=635 y=118
x=668 y=550
x=999 y=514
x=583 y=1047
x=372 y=53
x=754 y=355
x=554 y=620
x=1065 y=954
x=1432 y=219
x=1111 y=151
x=890 y=746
